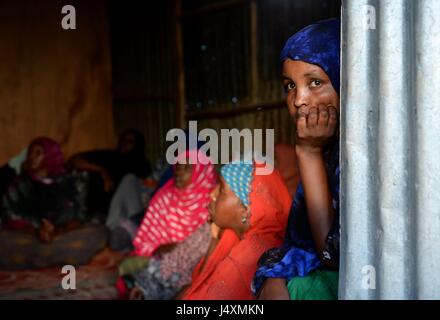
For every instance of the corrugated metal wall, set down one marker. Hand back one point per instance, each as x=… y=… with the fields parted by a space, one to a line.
x=218 y=54
x=144 y=70
x=218 y=49
x=390 y=157
x=277 y=21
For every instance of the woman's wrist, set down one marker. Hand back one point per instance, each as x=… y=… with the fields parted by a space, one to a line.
x=305 y=151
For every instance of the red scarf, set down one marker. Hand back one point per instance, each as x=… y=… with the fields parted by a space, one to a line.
x=229 y=270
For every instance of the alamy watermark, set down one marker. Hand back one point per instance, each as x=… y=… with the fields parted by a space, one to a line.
x=69 y=280
x=369 y=277
x=218 y=148
x=69 y=20
x=369 y=17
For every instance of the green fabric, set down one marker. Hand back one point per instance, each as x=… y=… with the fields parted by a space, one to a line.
x=318 y=285
x=132 y=265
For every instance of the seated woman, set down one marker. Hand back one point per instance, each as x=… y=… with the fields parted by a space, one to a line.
x=174 y=233
x=106 y=168
x=130 y=199
x=129 y=202
x=305 y=266
x=252 y=211
x=43 y=203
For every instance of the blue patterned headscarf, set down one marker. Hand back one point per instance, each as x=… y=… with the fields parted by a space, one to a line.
x=318 y=44
x=238 y=175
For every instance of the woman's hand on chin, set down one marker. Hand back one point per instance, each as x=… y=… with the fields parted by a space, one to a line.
x=315 y=129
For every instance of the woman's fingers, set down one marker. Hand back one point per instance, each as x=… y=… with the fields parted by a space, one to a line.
x=301 y=124
x=333 y=117
x=316 y=121
x=312 y=120
x=302 y=112
x=323 y=116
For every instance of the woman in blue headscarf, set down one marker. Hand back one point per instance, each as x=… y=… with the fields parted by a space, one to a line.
x=306 y=265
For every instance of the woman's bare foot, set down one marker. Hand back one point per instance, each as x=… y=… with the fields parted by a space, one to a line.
x=46 y=232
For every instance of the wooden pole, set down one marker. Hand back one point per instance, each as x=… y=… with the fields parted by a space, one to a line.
x=235 y=111
x=180 y=99
x=254 y=51
x=213 y=7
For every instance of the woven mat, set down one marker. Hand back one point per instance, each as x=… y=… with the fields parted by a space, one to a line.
x=94 y=281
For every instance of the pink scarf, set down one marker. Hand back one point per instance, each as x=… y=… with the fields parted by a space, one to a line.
x=53 y=156
x=173 y=214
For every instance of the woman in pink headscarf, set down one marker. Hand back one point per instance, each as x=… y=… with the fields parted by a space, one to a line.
x=43 y=220
x=43 y=196
x=174 y=233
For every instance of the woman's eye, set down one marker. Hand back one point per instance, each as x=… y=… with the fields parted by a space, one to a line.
x=290 y=86
x=316 y=83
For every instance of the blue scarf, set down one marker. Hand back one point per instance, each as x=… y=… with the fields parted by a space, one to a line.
x=318 y=44
x=238 y=175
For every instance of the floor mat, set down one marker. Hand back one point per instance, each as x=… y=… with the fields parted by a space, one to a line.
x=95 y=281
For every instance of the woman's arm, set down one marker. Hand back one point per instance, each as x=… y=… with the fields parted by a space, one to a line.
x=317 y=195
x=314 y=131
x=80 y=162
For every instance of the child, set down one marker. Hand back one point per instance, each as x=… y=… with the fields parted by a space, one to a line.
x=252 y=210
